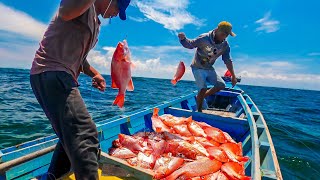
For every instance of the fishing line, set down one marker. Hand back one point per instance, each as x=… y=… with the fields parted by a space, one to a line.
x=284 y=129
x=106 y=11
x=92 y=88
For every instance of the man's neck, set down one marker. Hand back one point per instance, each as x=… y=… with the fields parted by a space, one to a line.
x=216 y=40
x=213 y=37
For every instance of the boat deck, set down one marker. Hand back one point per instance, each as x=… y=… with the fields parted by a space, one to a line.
x=219 y=113
x=223 y=113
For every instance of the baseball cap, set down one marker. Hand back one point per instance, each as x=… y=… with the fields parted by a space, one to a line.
x=226 y=27
x=123 y=4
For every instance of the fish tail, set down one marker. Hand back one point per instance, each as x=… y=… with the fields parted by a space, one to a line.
x=119 y=100
x=174 y=82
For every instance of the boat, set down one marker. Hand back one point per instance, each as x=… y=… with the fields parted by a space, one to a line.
x=231 y=110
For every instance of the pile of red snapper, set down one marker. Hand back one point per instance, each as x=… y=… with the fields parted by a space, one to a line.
x=181 y=148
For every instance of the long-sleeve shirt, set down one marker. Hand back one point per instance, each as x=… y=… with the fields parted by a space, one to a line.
x=207 y=50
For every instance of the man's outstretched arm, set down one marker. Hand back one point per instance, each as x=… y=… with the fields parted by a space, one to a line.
x=187 y=43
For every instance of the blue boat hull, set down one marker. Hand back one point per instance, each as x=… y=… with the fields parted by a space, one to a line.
x=246 y=125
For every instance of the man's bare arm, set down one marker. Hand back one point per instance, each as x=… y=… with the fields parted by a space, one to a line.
x=70 y=9
x=89 y=70
x=97 y=80
x=229 y=65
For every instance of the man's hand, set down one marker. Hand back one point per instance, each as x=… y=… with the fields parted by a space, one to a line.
x=99 y=82
x=181 y=36
x=234 y=81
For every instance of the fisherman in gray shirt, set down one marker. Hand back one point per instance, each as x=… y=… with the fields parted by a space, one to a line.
x=58 y=62
x=210 y=46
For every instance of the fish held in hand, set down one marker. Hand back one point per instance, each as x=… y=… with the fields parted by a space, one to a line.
x=121 y=72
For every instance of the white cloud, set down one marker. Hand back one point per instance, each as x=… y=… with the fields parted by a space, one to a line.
x=279 y=64
x=138 y=19
x=268 y=25
x=260 y=77
x=19 y=34
x=314 y=54
x=173 y=15
x=20 y=23
x=160 y=50
x=17 y=55
x=281 y=73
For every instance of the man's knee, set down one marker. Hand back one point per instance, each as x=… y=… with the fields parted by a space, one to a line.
x=220 y=85
x=202 y=92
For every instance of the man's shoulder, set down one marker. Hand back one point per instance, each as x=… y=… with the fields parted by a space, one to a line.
x=204 y=35
x=226 y=44
x=204 y=38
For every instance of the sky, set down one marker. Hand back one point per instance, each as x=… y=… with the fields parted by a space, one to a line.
x=276 y=43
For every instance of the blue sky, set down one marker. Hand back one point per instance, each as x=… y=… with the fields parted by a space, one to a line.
x=276 y=43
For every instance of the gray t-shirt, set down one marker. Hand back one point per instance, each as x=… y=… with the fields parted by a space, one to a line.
x=207 y=50
x=65 y=44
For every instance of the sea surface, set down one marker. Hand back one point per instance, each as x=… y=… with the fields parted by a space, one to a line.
x=292 y=115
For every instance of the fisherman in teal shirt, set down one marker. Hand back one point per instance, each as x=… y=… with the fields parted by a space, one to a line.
x=210 y=46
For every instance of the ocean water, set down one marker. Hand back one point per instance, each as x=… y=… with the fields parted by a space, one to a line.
x=292 y=115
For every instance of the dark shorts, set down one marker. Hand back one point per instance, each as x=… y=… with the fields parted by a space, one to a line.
x=77 y=149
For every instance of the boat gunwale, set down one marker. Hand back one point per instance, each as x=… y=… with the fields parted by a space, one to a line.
x=255 y=159
x=273 y=151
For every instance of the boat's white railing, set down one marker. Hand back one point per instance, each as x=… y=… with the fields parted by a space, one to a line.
x=267 y=137
x=255 y=160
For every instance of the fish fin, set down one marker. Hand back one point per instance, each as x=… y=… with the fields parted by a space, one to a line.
x=119 y=100
x=191 y=139
x=211 y=157
x=242 y=158
x=156 y=112
x=147 y=152
x=133 y=65
x=130 y=86
x=245 y=178
x=113 y=84
x=174 y=82
x=158 y=129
